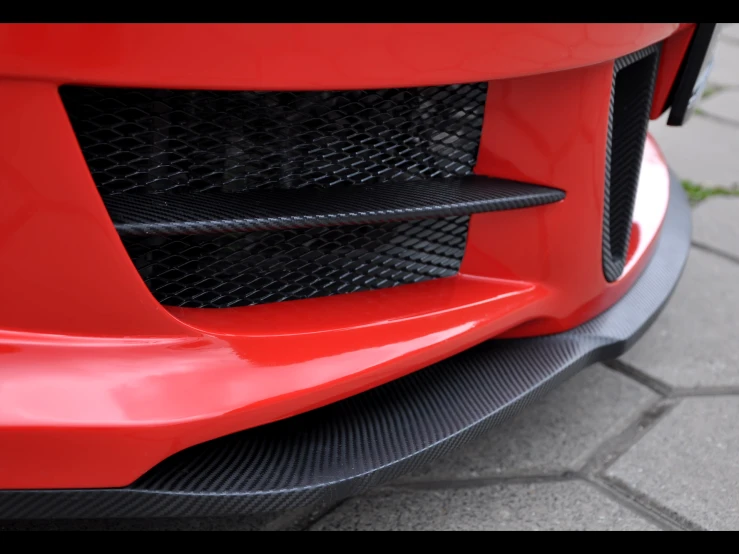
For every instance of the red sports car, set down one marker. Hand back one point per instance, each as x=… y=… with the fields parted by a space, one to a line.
x=248 y=267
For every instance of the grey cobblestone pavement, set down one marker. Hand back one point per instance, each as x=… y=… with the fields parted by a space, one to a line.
x=649 y=441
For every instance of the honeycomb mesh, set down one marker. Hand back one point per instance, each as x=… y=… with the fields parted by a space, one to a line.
x=240 y=269
x=152 y=140
x=206 y=143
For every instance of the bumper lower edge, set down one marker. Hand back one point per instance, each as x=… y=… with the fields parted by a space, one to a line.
x=352 y=445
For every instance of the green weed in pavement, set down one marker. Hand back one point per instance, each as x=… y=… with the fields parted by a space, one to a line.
x=711 y=90
x=697 y=192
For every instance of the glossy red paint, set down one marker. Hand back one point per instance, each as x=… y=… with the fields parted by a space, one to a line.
x=147 y=398
x=316 y=56
x=649 y=211
x=64 y=268
x=524 y=139
x=99 y=382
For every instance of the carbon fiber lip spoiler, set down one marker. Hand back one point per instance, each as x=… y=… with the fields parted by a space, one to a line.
x=345 y=448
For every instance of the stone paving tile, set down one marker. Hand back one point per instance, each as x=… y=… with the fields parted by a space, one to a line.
x=556 y=434
x=693 y=342
x=730 y=31
x=572 y=505
x=688 y=463
x=702 y=150
x=726 y=63
x=724 y=103
x=716 y=224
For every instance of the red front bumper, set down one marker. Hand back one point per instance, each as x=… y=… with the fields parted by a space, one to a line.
x=99 y=382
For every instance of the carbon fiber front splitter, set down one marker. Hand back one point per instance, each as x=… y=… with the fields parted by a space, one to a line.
x=348 y=447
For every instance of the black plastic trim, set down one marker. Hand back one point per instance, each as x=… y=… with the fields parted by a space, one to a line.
x=347 y=447
x=271 y=210
x=679 y=99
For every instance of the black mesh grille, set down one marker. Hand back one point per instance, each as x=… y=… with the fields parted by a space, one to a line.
x=149 y=140
x=212 y=146
x=631 y=99
x=239 y=269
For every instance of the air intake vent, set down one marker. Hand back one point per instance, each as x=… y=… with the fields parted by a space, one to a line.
x=238 y=269
x=238 y=198
x=631 y=99
x=150 y=141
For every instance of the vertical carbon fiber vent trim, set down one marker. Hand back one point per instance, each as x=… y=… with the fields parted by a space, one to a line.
x=631 y=99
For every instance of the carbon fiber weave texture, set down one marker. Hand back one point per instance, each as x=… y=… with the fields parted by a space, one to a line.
x=274 y=210
x=632 y=88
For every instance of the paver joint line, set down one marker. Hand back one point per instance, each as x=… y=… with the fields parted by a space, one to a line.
x=636 y=374
x=716 y=118
x=715 y=251
x=646 y=502
x=611 y=450
x=700 y=392
x=661 y=518
x=475 y=482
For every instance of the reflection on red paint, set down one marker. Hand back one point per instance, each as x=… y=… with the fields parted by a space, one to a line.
x=293 y=56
